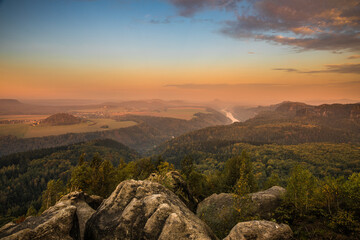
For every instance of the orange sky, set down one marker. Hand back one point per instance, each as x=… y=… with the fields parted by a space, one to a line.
x=151 y=49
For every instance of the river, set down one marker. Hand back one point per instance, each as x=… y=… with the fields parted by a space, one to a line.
x=230 y=116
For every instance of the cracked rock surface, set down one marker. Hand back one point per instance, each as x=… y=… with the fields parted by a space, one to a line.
x=145 y=210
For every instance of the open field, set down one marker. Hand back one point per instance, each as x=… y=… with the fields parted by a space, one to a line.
x=23 y=117
x=27 y=131
x=185 y=113
x=19 y=130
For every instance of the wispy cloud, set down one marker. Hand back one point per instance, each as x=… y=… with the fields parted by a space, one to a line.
x=332 y=25
x=224 y=85
x=331 y=68
x=188 y=8
x=354 y=57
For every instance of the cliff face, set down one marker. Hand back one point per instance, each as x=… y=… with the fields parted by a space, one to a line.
x=325 y=111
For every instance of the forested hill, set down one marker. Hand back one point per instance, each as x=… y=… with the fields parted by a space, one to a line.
x=289 y=123
x=149 y=132
x=24 y=176
x=61 y=119
x=298 y=109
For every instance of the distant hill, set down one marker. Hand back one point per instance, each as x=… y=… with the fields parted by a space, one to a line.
x=289 y=123
x=298 y=109
x=15 y=107
x=9 y=101
x=61 y=119
x=150 y=132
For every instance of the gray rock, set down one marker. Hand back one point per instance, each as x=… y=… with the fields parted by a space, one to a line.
x=82 y=203
x=54 y=224
x=260 y=230
x=219 y=213
x=175 y=182
x=65 y=220
x=265 y=202
x=145 y=210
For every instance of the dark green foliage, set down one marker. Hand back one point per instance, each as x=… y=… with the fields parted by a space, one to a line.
x=187 y=166
x=300 y=190
x=98 y=177
x=321 y=208
x=321 y=159
x=239 y=168
x=54 y=191
x=24 y=176
x=31 y=211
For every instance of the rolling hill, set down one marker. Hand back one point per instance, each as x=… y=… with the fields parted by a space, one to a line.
x=149 y=132
x=288 y=124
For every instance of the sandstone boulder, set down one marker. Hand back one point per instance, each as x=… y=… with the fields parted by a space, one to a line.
x=65 y=220
x=265 y=202
x=219 y=213
x=85 y=207
x=145 y=210
x=260 y=230
x=175 y=182
x=54 y=224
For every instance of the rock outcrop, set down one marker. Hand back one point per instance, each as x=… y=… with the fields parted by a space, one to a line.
x=265 y=202
x=175 y=182
x=58 y=222
x=218 y=211
x=260 y=230
x=145 y=210
x=65 y=220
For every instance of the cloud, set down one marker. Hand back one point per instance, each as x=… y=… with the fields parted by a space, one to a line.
x=303 y=24
x=354 y=57
x=331 y=68
x=286 y=69
x=188 y=8
x=332 y=25
x=224 y=85
x=160 y=21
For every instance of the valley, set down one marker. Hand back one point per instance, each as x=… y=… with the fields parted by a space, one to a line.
x=67 y=149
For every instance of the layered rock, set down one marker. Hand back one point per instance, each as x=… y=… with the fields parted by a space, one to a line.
x=145 y=210
x=260 y=230
x=65 y=220
x=58 y=222
x=175 y=182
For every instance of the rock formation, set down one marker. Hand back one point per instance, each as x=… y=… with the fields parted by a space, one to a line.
x=260 y=230
x=265 y=202
x=65 y=220
x=218 y=211
x=175 y=182
x=145 y=210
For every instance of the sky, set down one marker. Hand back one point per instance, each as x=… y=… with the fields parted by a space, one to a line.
x=245 y=51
